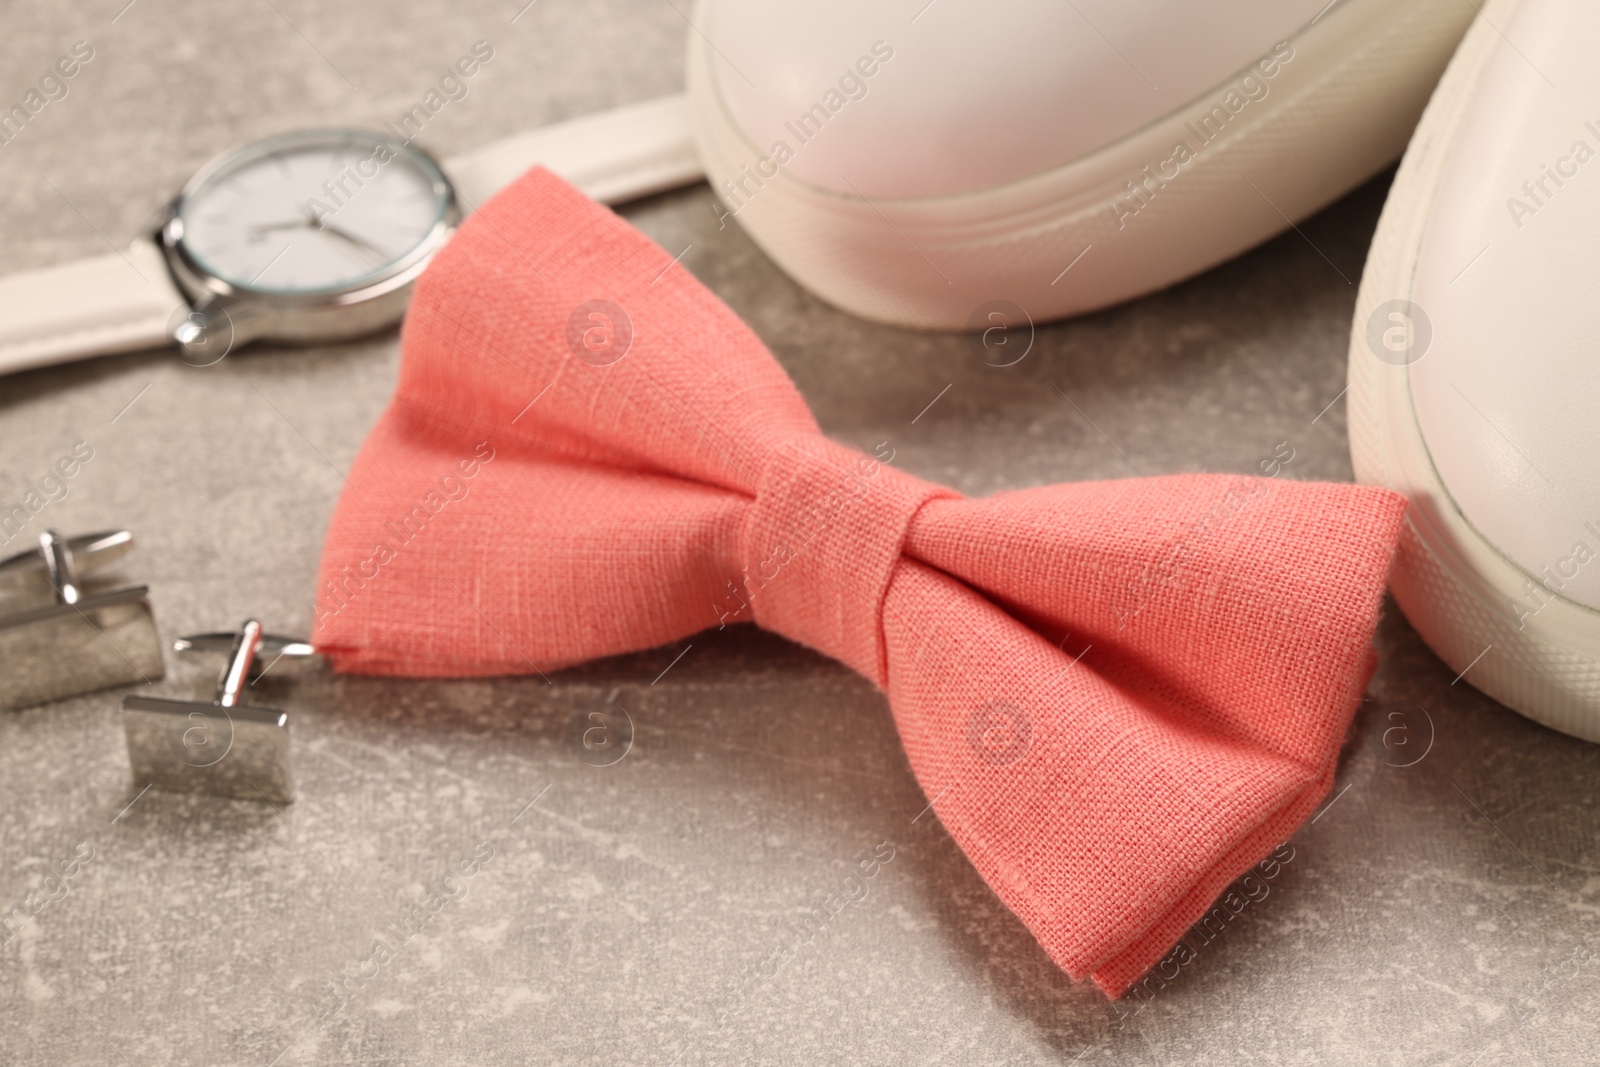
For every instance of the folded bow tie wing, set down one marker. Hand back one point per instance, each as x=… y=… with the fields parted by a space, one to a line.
x=1120 y=695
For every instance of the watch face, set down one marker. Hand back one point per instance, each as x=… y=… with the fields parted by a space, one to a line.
x=314 y=212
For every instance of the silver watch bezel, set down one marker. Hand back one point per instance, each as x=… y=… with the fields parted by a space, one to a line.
x=230 y=315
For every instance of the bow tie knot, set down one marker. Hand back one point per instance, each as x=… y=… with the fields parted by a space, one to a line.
x=821 y=544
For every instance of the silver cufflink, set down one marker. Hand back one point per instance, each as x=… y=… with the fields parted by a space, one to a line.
x=61 y=636
x=221 y=746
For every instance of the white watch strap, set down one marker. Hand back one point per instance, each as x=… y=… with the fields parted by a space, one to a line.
x=613 y=157
x=114 y=303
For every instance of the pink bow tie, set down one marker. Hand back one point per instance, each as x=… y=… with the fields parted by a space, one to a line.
x=1119 y=695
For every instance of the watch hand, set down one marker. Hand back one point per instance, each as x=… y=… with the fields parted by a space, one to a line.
x=350 y=238
x=287 y=224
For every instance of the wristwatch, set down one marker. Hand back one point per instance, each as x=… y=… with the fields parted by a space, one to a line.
x=314 y=236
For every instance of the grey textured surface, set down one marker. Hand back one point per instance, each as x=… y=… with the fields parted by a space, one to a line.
x=1442 y=913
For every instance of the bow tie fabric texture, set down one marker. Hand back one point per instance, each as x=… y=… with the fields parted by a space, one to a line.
x=1119 y=695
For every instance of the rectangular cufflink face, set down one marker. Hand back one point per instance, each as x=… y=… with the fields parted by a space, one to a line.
x=196 y=746
x=61 y=650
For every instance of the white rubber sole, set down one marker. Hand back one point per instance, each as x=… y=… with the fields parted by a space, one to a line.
x=1057 y=244
x=1459 y=592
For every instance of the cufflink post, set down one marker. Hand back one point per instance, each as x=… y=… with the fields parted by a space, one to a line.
x=65 y=634
x=223 y=746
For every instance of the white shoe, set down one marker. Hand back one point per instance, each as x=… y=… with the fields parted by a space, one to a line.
x=1475 y=363
x=914 y=166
